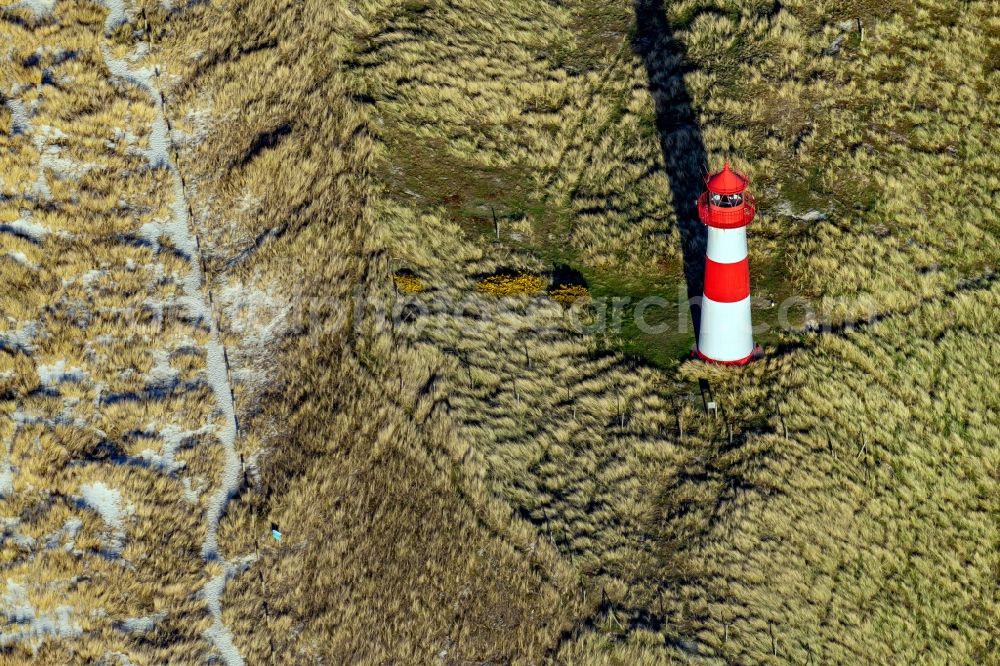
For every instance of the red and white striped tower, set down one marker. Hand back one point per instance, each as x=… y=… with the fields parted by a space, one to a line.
x=725 y=335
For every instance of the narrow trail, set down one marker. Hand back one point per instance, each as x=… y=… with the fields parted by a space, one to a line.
x=179 y=230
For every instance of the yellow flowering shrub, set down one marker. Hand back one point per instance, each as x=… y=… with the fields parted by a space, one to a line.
x=504 y=284
x=408 y=284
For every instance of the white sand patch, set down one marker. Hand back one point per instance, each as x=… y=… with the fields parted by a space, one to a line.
x=141 y=76
x=107 y=502
x=165 y=460
x=45 y=135
x=116 y=15
x=6 y=478
x=12 y=532
x=141 y=50
x=59 y=372
x=21 y=338
x=45 y=138
x=20 y=120
x=218 y=634
x=159 y=144
x=160 y=463
x=21 y=258
x=68 y=533
x=150 y=233
x=162 y=373
x=91 y=276
x=39 y=8
x=64 y=168
x=18 y=610
x=142 y=625
x=120 y=137
x=25 y=227
x=230 y=481
x=40 y=188
x=16 y=606
x=193 y=492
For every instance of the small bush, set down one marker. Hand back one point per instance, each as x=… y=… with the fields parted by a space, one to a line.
x=511 y=284
x=567 y=294
x=409 y=284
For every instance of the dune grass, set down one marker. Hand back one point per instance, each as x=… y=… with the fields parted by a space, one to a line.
x=486 y=478
x=856 y=217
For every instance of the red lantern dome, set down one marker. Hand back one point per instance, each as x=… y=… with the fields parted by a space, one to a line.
x=727 y=204
x=727 y=181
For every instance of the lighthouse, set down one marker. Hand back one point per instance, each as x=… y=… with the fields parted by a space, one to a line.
x=726 y=208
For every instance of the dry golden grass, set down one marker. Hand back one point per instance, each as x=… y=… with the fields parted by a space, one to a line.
x=512 y=284
x=409 y=284
x=386 y=557
x=481 y=482
x=112 y=456
x=735 y=530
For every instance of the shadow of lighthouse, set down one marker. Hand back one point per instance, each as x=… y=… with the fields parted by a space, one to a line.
x=684 y=156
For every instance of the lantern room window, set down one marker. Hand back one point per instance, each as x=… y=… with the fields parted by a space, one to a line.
x=726 y=200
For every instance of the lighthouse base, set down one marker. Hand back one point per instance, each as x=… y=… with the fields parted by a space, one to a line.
x=755 y=354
